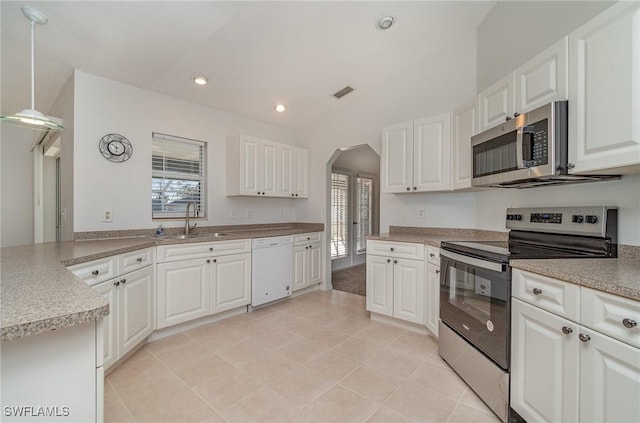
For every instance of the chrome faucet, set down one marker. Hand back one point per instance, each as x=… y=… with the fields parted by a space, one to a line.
x=188 y=228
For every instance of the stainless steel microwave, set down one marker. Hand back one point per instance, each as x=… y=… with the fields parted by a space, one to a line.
x=527 y=151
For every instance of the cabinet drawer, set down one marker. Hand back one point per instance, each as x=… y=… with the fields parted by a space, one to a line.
x=558 y=297
x=136 y=260
x=433 y=255
x=305 y=239
x=611 y=315
x=407 y=250
x=96 y=271
x=202 y=249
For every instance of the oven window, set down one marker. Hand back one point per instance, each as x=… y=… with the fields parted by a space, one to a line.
x=470 y=293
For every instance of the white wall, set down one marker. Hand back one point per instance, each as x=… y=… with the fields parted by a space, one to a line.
x=515 y=31
x=362 y=158
x=16 y=184
x=438 y=83
x=103 y=106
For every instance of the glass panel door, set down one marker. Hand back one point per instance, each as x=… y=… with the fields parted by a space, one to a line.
x=340 y=215
x=363 y=213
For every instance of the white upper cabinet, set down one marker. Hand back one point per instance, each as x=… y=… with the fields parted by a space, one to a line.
x=543 y=79
x=432 y=153
x=396 y=168
x=416 y=155
x=497 y=103
x=262 y=168
x=604 y=92
x=464 y=125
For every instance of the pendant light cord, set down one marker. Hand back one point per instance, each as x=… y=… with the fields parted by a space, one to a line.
x=33 y=67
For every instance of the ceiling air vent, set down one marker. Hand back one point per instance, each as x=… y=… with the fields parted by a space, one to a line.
x=346 y=90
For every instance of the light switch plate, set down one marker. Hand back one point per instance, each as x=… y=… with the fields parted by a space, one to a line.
x=107 y=215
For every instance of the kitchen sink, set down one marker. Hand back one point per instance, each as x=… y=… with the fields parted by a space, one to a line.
x=199 y=235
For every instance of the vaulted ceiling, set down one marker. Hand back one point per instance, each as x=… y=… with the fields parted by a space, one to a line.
x=255 y=54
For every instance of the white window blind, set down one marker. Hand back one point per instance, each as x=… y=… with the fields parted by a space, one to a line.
x=364 y=200
x=178 y=176
x=340 y=221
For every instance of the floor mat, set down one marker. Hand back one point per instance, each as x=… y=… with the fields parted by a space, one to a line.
x=352 y=279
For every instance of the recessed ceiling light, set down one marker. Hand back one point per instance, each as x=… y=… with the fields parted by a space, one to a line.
x=385 y=23
x=280 y=108
x=200 y=80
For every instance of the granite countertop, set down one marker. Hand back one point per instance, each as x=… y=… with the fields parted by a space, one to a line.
x=435 y=236
x=40 y=294
x=619 y=276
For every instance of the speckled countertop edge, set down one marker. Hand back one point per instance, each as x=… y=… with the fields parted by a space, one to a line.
x=435 y=236
x=39 y=294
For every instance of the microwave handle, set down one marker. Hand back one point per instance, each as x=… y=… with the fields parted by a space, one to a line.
x=524 y=147
x=471 y=261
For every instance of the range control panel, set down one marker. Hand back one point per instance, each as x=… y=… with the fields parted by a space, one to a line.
x=590 y=221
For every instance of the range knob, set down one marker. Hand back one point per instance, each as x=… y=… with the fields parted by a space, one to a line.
x=576 y=218
x=517 y=217
x=591 y=219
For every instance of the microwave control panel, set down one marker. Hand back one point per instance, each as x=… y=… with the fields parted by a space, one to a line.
x=535 y=144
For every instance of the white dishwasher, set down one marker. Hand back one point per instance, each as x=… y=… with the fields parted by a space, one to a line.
x=271 y=269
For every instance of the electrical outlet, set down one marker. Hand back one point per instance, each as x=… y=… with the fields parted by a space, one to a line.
x=249 y=214
x=107 y=215
x=234 y=213
x=283 y=214
x=421 y=213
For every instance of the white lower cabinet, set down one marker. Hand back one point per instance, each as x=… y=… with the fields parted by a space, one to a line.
x=396 y=286
x=183 y=291
x=208 y=278
x=307 y=260
x=564 y=371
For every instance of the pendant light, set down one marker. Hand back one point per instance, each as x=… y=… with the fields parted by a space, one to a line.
x=31 y=118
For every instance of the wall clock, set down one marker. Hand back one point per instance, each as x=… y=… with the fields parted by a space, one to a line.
x=115 y=147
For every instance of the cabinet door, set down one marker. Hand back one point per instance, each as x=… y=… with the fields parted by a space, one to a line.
x=136 y=299
x=183 y=291
x=301 y=173
x=544 y=365
x=269 y=167
x=286 y=168
x=464 y=125
x=109 y=323
x=432 y=301
x=249 y=165
x=380 y=285
x=543 y=79
x=432 y=153
x=609 y=380
x=230 y=282
x=408 y=290
x=396 y=163
x=497 y=102
x=604 y=91
x=315 y=264
x=300 y=264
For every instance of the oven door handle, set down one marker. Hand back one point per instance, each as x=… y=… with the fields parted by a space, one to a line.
x=489 y=265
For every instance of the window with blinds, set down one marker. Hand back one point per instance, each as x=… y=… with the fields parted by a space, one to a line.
x=340 y=210
x=178 y=176
x=364 y=204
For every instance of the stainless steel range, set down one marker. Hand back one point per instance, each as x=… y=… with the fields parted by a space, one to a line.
x=475 y=288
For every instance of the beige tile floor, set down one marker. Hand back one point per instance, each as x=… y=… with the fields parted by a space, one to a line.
x=314 y=358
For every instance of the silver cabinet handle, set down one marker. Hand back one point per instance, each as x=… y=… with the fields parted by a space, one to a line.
x=139 y=259
x=567 y=330
x=537 y=291
x=116 y=283
x=629 y=323
x=584 y=338
x=431 y=255
x=95 y=272
x=437 y=271
x=123 y=281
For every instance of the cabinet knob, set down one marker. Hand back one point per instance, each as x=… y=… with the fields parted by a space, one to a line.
x=296 y=195
x=208 y=261
x=263 y=193
x=537 y=291
x=258 y=192
x=395 y=261
x=392 y=249
x=516 y=114
x=308 y=238
x=415 y=188
x=215 y=260
x=629 y=323
x=437 y=271
x=584 y=338
x=95 y=272
x=139 y=259
x=570 y=165
x=116 y=283
x=507 y=119
x=408 y=188
x=431 y=255
x=123 y=281
x=388 y=260
x=210 y=248
x=567 y=330
x=293 y=195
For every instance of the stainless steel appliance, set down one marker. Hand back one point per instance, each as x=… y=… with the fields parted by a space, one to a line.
x=475 y=288
x=526 y=151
